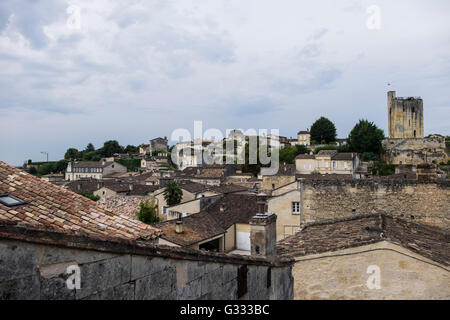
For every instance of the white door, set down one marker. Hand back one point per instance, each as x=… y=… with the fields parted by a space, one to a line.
x=243 y=241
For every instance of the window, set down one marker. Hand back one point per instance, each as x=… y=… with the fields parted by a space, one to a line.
x=295 y=207
x=310 y=166
x=318 y=164
x=164 y=210
x=10 y=201
x=273 y=186
x=112 y=166
x=304 y=166
x=345 y=165
x=269 y=277
x=334 y=165
x=326 y=164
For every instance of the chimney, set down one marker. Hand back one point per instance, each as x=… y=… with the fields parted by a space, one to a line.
x=179 y=224
x=179 y=227
x=263 y=231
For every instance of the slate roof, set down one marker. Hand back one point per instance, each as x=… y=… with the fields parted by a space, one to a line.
x=336 y=234
x=196 y=228
x=50 y=207
x=91 y=164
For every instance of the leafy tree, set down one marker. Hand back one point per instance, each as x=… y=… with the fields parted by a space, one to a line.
x=72 y=154
x=288 y=154
x=89 y=147
x=369 y=156
x=366 y=137
x=323 y=130
x=173 y=193
x=131 y=149
x=147 y=212
x=110 y=147
x=91 y=196
x=32 y=170
x=383 y=169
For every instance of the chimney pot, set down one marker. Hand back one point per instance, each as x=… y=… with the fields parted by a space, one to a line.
x=179 y=226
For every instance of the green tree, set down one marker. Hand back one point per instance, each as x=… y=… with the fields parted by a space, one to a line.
x=72 y=154
x=89 y=147
x=173 y=193
x=288 y=154
x=110 y=147
x=366 y=137
x=323 y=130
x=131 y=149
x=91 y=196
x=147 y=212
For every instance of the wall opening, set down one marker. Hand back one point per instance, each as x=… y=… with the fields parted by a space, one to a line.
x=242 y=281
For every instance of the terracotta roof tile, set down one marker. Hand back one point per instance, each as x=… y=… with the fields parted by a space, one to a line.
x=54 y=208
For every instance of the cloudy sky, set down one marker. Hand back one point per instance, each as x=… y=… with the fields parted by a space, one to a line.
x=134 y=70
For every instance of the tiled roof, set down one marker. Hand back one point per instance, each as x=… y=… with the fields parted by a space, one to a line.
x=305 y=156
x=196 y=228
x=228 y=188
x=344 y=156
x=201 y=173
x=84 y=186
x=193 y=187
x=91 y=164
x=303 y=132
x=328 y=176
x=337 y=234
x=57 y=209
x=238 y=208
x=327 y=153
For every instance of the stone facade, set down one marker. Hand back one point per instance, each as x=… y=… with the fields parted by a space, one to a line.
x=405 y=117
x=415 y=151
x=427 y=203
x=343 y=274
x=114 y=271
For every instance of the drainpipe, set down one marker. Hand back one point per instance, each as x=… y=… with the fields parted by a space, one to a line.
x=300 y=188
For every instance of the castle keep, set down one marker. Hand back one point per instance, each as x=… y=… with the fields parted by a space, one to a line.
x=406 y=143
x=405 y=117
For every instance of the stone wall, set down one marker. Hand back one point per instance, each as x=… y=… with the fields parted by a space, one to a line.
x=415 y=151
x=115 y=271
x=343 y=274
x=426 y=203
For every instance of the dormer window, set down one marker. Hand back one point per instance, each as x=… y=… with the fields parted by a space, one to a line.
x=10 y=201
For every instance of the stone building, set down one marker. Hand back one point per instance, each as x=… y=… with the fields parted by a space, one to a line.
x=370 y=256
x=327 y=162
x=92 y=169
x=405 y=117
x=55 y=244
x=406 y=143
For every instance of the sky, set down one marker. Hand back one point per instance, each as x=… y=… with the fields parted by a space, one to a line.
x=74 y=72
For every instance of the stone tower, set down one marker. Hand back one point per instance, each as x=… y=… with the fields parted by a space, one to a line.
x=405 y=117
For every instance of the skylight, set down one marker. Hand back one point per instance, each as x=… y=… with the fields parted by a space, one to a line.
x=10 y=201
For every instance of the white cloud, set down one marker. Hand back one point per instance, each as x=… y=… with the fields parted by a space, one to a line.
x=138 y=69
